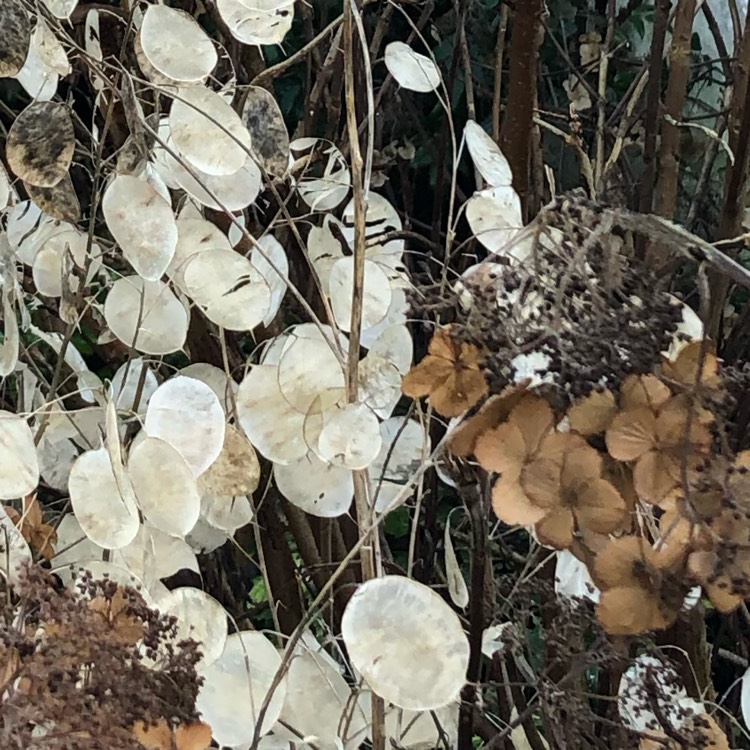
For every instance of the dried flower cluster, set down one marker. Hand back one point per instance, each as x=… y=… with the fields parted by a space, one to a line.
x=622 y=459
x=95 y=669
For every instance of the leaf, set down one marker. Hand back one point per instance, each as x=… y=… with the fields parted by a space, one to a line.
x=186 y=414
x=142 y=223
x=193 y=237
x=59 y=201
x=15 y=34
x=271 y=423
x=350 y=437
x=14 y=551
x=315 y=486
x=236 y=471
x=410 y=69
x=176 y=45
x=745 y=697
x=376 y=293
x=457 y=589
x=378 y=628
x=40 y=144
x=61 y=8
x=321 y=172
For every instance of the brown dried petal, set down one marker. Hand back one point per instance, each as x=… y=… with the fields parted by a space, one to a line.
x=513 y=506
x=631 y=611
x=502 y=450
x=556 y=528
x=426 y=376
x=493 y=412
x=686 y=368
x=600 y=508
x=459 y=392
x=655 y=476
x=593 y=413
x=616 y=564
x=643 y=390
x=631 y=434
x=535 y=419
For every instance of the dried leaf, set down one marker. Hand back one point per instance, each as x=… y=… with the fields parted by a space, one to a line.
x=457 y=589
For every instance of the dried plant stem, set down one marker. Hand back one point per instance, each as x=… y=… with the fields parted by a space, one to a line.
x=475 y=500
x=674 y=104
x=652 y=119
x=734 y=190
x=518 y=125
x=498 y=82
x=361 y=482
x=602 y=103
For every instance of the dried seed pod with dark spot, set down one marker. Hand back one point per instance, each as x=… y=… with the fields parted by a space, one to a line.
x=40 y=144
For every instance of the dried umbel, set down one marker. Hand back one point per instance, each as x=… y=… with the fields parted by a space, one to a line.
x=73 y=671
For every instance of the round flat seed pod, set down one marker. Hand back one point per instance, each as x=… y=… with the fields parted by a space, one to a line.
x=410 y=69
x=217 y=149
x=262 y=117
x=15 y=37
x=142 y=223
x=378 y=628
x=59 y=201
x=228 y=288
x=19 y=465
x=41 y=143
x=237 y=684
x=176 y=45
x=160 y=327
x=61 y=8
x=257 y=21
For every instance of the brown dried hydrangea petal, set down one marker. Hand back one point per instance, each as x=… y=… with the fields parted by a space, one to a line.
x=534 y=418
x=643 y=390
x=631 y=434
x=673 y=419
x=600 y=508
x=502 y=450
x=631 y=611
x=513 y=506
x=492 y=413
x=425 y=376
x=593 y=413
x=556 y=528
x=687 y=367
x=540 y=480
x=654 y=476
x=616 y=564
x=581 y=463
x=458 y=392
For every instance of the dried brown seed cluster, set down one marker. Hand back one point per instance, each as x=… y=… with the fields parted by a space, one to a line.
x=73 y=667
